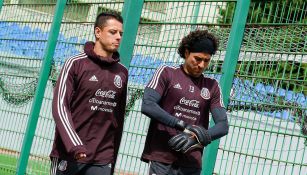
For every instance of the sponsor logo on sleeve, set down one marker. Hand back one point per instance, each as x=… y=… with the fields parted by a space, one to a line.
x=205 y=94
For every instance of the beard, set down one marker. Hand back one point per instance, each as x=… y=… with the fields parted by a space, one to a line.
x=110 y=49
x=107 y=47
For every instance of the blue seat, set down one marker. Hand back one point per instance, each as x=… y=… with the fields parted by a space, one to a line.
x=217 y=76
x=132 y=71
x=248 y=83
x=135 y=60
x=236 y=82
x=286 y=115
x=301 y=100
x=26 y=30
x=290 y=96
x=277 y=114
x=260 y=87
x=61 y=37
x=157 y=63
x=83 y=41
x=281 y=92
x=148 y=61
x=3 y=24
x=270 y=89
x=73 y=39
x=37 y=33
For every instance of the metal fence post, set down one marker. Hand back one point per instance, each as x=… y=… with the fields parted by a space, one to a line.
x=195 y=14
x=132 y=14
x=1 y=4
x=228 y=70
x=39 y=94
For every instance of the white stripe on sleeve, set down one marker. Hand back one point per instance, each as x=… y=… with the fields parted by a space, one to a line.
x=154 y=81
x=61 y=107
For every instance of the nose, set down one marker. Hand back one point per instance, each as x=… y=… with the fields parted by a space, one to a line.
x=201 y=65
x=118 y=36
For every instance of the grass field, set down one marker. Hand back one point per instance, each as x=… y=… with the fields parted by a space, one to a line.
x=8 y=165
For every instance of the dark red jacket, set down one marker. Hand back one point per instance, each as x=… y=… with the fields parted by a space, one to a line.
x=186 y=98
x=88 y=107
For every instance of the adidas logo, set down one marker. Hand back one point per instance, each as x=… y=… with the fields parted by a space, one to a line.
x=93 y=78
x=177 y=86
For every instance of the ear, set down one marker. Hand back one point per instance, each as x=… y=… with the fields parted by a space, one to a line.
x=186 y=53
x=97 y=32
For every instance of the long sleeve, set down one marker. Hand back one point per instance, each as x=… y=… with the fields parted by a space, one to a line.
x=151 y=108
x=61 y=110
x=221 y=123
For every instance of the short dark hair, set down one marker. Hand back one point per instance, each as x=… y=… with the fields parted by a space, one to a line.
x=195 y=37
x=103 y=17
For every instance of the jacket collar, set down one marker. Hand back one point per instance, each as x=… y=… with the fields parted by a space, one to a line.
x=89 y=50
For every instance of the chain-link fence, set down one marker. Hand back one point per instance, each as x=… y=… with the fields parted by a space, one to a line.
x=266 y=94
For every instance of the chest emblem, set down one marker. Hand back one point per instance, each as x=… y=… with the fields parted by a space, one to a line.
x=205 y=94
x=118 y=81
x=62 y=165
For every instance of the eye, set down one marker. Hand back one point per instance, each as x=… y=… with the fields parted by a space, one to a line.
x=198 y=59
x=206 y=60
x=113 y=32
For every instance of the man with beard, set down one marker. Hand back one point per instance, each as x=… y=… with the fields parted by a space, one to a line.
x=89 y=104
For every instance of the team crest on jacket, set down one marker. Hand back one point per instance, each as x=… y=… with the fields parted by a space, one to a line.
x=205 y=93
x=62 y=165
x=118 y=81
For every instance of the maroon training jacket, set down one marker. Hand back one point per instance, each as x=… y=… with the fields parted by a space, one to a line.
x=88 y=107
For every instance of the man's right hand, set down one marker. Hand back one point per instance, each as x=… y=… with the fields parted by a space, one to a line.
x=199 y=132
x=184 y=142
x=80 y=156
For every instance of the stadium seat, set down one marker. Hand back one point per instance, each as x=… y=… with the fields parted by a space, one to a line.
x=286 y=115
x=73 y=40
x=277 y=114
x=281 y=92
x=260 y=87
x=289 y=96
x=269 y=89
x=83 y=41
x=301 y=100
x=217 y=76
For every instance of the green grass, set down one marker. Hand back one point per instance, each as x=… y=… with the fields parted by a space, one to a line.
x=8 y=166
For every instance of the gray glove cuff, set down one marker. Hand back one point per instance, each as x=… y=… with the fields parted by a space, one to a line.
x=180 y=125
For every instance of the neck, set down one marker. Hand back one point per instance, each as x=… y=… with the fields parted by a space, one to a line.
x=185 y=69
x=101 y=52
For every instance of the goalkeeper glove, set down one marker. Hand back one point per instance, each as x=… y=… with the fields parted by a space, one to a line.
x=184 y=142
x=199 y=132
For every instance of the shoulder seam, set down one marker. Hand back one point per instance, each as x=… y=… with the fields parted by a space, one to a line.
x=154 y=81
x=123 y=65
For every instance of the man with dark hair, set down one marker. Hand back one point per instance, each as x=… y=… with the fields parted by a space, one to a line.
x=89 y=104
x=178 y=100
